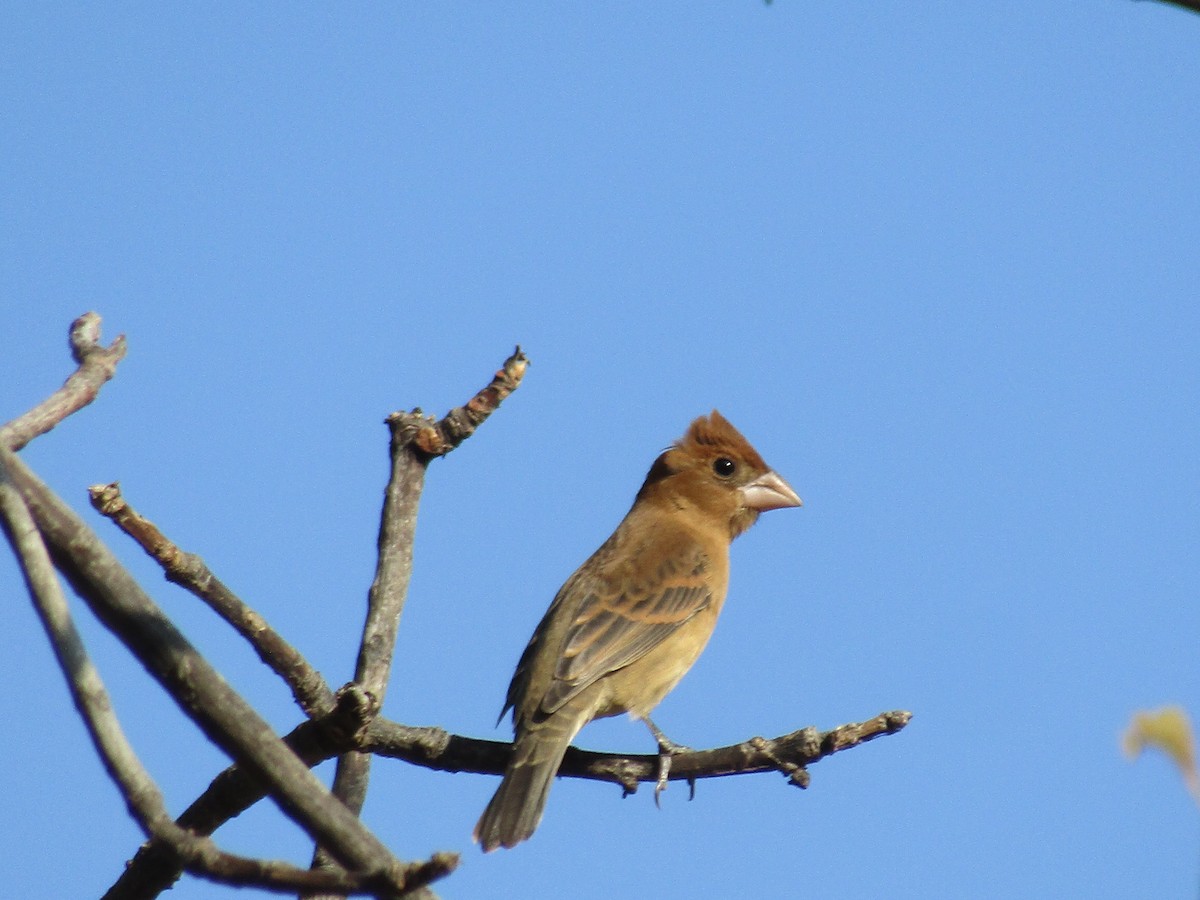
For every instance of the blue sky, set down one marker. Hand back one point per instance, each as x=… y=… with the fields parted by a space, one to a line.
x=937 y=261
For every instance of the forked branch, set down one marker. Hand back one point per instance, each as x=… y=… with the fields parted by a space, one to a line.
x=346 y=724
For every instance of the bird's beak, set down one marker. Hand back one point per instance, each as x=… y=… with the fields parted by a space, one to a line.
x=769 y=491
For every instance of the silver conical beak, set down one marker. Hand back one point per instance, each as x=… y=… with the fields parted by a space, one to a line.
x=769 y=491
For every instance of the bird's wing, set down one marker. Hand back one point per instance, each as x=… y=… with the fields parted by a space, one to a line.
x=615 y=625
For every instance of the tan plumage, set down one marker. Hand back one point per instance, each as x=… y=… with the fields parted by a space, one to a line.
x=635 y=616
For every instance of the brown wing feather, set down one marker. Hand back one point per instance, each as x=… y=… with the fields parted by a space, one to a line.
x=610 y=631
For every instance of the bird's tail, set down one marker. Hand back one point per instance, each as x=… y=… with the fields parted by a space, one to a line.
x=516 y=808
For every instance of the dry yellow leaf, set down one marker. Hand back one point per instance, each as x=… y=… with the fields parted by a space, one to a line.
x=1167 y=729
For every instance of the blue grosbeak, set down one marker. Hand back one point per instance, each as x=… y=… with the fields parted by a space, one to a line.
x=634 y=618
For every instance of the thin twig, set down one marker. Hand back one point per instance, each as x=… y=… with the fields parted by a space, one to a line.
x=97 y=365
x=416 y=439
x=385 y=603
x=440 y=437
x=190 y=572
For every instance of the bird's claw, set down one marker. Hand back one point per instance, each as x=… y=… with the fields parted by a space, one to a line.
x=667 y=749
x=664 y=769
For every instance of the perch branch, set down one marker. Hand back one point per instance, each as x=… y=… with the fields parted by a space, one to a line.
x=97 y=365
x=153 y=869
x=189 y=571
x=434 y=748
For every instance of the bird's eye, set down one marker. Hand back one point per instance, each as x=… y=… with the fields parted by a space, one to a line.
x=724 y=466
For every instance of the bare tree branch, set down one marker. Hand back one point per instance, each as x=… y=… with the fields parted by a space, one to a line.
x=385 y=602
x=188 y=570
x=439 y=438
x=96 y=366
x=196 y=854
x=221 y=713
x=87 y=689
x=434 y=748
x=157 y=865
x=281 y=877
x=346 y=723
x=154 y=868
x=415 y=440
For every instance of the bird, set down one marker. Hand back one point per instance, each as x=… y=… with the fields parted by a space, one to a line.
x=630 y=622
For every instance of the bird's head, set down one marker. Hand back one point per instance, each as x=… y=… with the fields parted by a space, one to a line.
x=714 y=470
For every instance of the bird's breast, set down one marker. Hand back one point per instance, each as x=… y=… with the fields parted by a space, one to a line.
x=641 y=686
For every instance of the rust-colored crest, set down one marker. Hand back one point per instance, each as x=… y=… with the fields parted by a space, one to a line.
x=713 y=432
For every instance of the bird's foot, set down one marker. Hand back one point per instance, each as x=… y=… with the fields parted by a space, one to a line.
x=667 y=749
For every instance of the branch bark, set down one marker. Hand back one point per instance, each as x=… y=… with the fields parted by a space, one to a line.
x=189 y=571
x=97 y=365
x=157 y=865
x=790 y=754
